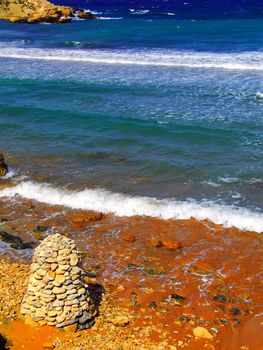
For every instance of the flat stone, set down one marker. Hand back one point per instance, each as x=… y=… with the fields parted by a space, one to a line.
x=58 y=290
x=52 y=313
x=81 y=291
x=75 y=270
x=63 y=267
x=58 y=303
x=50 y=275
x=72 y=291
x=71 y=302
x=60 y=319
x=67 y=282
x=53 y=266
x=64 y=252
x=41 y=313
x=74 y=259
x=61 y=296
x=60 y=279
x=37 y=276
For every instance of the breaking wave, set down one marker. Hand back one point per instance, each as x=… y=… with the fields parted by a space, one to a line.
x=166 y=58
x=125 y=205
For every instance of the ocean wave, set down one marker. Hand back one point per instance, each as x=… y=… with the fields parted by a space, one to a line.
x=165 y=58
x=109 y=18
x=259 y=95
x=125 y=205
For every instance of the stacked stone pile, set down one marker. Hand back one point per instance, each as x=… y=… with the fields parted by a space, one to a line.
x=56 y=294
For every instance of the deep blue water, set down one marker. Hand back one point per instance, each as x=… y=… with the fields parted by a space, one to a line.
x=181 y=9
x=146 y=104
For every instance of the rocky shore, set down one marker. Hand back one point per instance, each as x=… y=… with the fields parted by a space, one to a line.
x=156 y=284
x=39 y=11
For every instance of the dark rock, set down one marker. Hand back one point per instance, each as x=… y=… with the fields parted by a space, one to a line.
x=236 y=321
x=177 y=297
x=235 y=311
x=3 y=165
x=221 y=298
x=68 y=323
x=153 y=305
x=85 y=15
x=85 y=318
x=41 y=228
x=184 y=318
x=15 y=242
x=86 y=325
x=90 y=274
x=223 y=321
x=22 y=245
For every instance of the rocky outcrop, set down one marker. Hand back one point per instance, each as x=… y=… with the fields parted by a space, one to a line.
x=38 y=11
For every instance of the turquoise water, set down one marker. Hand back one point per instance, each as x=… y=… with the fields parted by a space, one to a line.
x=162 y=108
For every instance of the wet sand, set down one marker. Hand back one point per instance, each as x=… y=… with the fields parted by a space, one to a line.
x=164 y=278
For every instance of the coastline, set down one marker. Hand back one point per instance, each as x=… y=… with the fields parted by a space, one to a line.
x=181 y=273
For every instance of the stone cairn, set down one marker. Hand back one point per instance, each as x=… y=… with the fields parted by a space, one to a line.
x=56 y=294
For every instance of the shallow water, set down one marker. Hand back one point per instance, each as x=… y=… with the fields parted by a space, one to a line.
x=145 y=107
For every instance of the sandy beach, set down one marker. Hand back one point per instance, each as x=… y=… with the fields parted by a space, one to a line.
x=156 y=281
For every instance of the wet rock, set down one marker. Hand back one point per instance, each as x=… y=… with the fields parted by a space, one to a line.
x=15 y=242
x=176 y=298
x=41 y=228
x=201 y=268
x=153 y=305
x=202 y=332
x=235 y=311
x=171 y=244
x=84 y=217
x=156 y=243
x=3 y=165
x=222 y=298
x=85 y=15
x=128 y=237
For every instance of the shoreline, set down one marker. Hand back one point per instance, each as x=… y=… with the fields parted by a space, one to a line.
x=168 y=276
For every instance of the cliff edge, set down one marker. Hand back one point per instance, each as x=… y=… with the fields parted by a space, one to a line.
x=38 y=11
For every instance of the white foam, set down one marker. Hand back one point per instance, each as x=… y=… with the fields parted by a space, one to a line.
x=124 y=205
x=10 y=174
x=259 y=94
x=163 y=58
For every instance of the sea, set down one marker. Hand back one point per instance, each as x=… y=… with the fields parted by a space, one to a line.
x=154 y=109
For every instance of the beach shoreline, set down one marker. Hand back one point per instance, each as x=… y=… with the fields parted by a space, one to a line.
x=166 y=276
